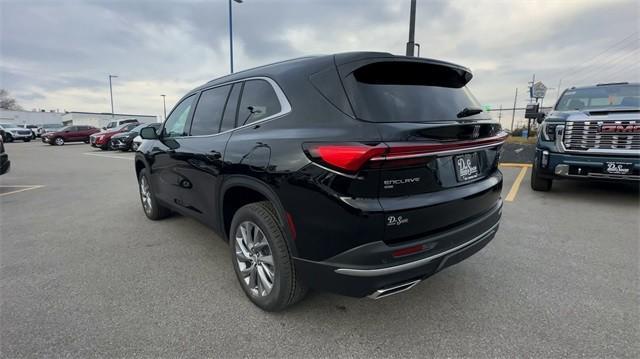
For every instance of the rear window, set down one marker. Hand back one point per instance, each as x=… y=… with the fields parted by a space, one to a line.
x=408 y=92
x=600 y=97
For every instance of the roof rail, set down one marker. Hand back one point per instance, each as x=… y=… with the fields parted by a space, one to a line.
x=613 y=83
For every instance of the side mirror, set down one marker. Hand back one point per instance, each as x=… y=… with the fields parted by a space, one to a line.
x=540 y=117
x=148 y=133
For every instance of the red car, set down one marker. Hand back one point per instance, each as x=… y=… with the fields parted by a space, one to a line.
x=102 y=139
x=69 y=134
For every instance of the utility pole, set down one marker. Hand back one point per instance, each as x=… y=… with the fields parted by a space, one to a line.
x=111 y=93
x=513 y=114
x=412 y=29
x=164 y=104
x=500 y=114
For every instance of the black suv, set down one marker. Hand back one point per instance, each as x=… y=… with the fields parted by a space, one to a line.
x=357 y=173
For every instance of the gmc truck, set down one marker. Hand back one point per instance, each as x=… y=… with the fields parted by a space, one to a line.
x=593 y=133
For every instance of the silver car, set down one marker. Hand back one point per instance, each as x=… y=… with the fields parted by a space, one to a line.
x=12 y=133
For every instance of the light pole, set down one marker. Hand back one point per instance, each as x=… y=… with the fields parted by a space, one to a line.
x=231 y=33
x=111 y=93
x=164 y=104
x=412 y=29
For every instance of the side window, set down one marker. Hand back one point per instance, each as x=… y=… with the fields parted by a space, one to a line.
x=73 y=129
x=259 y=101
x=208 y=112
x=175 y=124
x=229 y=117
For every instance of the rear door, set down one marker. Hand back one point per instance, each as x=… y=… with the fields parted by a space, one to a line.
x=440 y=162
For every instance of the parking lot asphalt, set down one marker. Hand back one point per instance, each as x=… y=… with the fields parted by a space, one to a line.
x=84 y=273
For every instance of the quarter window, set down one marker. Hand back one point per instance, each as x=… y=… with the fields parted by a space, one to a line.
x=259 y=101
x=177 y=120
x=229 y=117
x=208 y=113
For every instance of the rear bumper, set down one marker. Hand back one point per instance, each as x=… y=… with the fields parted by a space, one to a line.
x=345 y=274
x=576 y=166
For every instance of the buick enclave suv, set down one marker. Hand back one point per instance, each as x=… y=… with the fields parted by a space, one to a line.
x=358 y=173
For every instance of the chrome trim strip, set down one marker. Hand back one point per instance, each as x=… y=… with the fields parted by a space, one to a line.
x=414 y=264
x=384 y=292
x=439 y=153
x=336 y=172
x=285 y=106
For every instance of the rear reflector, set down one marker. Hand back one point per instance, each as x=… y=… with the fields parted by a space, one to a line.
x=409 y=250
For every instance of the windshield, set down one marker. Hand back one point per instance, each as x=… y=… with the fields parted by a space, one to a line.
x=65 y=128
x=408 y=92
x=600 y=97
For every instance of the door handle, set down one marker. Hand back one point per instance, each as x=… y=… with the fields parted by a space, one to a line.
x=215 y=155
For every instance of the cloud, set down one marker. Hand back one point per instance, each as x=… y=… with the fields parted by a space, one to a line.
x=59 y=54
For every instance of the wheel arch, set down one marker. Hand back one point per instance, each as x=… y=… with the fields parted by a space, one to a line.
x=238 y=190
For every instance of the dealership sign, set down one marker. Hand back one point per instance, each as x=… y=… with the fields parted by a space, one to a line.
x=538 y=90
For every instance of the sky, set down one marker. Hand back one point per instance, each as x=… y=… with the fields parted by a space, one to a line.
x=58 y=54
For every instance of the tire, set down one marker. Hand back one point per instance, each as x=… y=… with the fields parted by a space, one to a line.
x=86 y=141
x=538 y=183
x=9 y=138
x=286 y=286
x=150 y=206
x=58 y=141
x=27 y=139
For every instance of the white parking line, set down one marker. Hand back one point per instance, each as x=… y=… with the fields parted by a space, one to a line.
x=22 y=188
x=108 y=156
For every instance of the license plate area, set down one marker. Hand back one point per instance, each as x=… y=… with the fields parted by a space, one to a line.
x=467 y=166
x=618 y=168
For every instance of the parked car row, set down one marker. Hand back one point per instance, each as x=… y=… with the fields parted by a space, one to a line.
x=120 y=137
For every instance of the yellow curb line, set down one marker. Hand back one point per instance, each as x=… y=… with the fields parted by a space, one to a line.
x=527 y=165
x=26 y=188
x=516 y=185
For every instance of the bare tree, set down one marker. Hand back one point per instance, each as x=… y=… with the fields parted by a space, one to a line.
x=8 y=102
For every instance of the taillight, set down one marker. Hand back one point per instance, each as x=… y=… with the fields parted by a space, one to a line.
x=348 y=157
x=351 y=157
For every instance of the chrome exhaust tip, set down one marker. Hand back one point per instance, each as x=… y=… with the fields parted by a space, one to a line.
x=385 y=292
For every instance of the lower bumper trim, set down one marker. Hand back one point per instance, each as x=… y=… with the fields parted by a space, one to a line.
x=406 y=266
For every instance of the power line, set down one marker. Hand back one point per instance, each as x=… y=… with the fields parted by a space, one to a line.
x=610 y=60
x=586 y=64
x=607 y=67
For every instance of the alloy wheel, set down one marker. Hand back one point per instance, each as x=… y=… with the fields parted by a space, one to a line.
x=145 y=195
x=59 y=141
x=254 y=259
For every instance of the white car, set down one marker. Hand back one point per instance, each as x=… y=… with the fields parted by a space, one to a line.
x=116 y=123
x=12 y=133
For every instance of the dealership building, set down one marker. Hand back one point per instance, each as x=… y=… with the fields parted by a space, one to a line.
x=99 y=120
x=20 y=118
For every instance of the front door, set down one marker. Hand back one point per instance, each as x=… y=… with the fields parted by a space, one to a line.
x=199 y=157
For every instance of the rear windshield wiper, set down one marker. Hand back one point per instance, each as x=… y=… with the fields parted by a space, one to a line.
x=469 y=111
